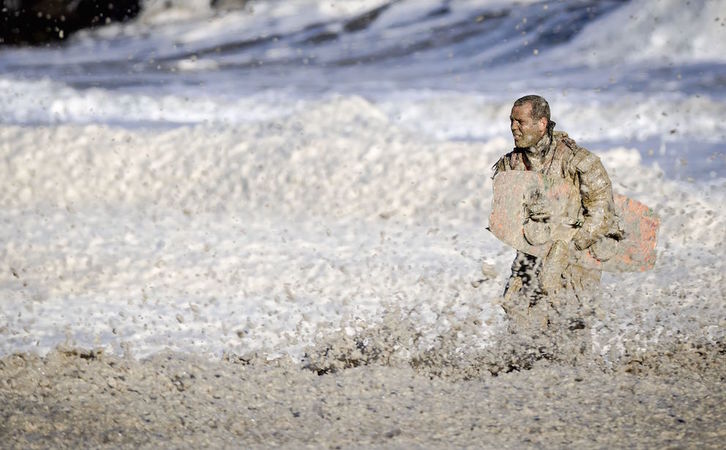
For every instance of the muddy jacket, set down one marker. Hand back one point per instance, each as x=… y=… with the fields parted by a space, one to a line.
x=559 y=157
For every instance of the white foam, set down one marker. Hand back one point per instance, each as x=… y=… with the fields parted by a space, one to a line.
x=187 y=237
x=661 y=32
x=261 y=237
x=46 y=101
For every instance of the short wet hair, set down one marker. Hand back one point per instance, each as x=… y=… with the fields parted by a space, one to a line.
x=540 y=107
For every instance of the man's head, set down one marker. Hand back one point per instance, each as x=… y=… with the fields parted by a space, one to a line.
x=529 y=120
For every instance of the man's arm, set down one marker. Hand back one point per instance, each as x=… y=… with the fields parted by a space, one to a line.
x=597 y=199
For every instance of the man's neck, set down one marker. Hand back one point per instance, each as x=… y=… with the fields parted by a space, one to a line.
x=535 y=155
x=540 y=148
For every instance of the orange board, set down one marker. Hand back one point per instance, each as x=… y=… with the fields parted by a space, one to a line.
x=512 y=189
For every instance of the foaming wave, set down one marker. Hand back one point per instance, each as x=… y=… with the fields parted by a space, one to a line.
x=663 y=32
x=256 y=237
x=49 y=102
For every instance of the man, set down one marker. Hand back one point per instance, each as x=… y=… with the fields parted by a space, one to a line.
x=555 y=155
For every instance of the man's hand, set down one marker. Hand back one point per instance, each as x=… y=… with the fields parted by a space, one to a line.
x=583 y=239
x=537 y=210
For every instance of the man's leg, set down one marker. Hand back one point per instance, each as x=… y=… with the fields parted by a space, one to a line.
x=572 y=310
x=524 y=278
x=523 y=292
x=574 y=302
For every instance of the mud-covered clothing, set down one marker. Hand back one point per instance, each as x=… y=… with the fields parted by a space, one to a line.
x=558 y=157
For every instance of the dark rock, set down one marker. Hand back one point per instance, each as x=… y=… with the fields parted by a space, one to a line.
x=35 y=22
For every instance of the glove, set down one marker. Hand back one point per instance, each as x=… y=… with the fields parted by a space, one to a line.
x=583 y=239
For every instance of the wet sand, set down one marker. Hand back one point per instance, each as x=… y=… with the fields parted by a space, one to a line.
x=670 y=398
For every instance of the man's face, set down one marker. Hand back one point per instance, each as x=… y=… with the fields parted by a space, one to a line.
x=526 y=130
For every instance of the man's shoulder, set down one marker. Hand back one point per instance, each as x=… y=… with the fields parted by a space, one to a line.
x=509 y=161
x=512 y=155
x=574 y=155
x=564 y=141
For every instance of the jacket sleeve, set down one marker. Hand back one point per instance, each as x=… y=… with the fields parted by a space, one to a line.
x=500 y=166
x=596 y=192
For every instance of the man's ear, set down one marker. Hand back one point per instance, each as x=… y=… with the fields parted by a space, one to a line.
x=542 y=123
